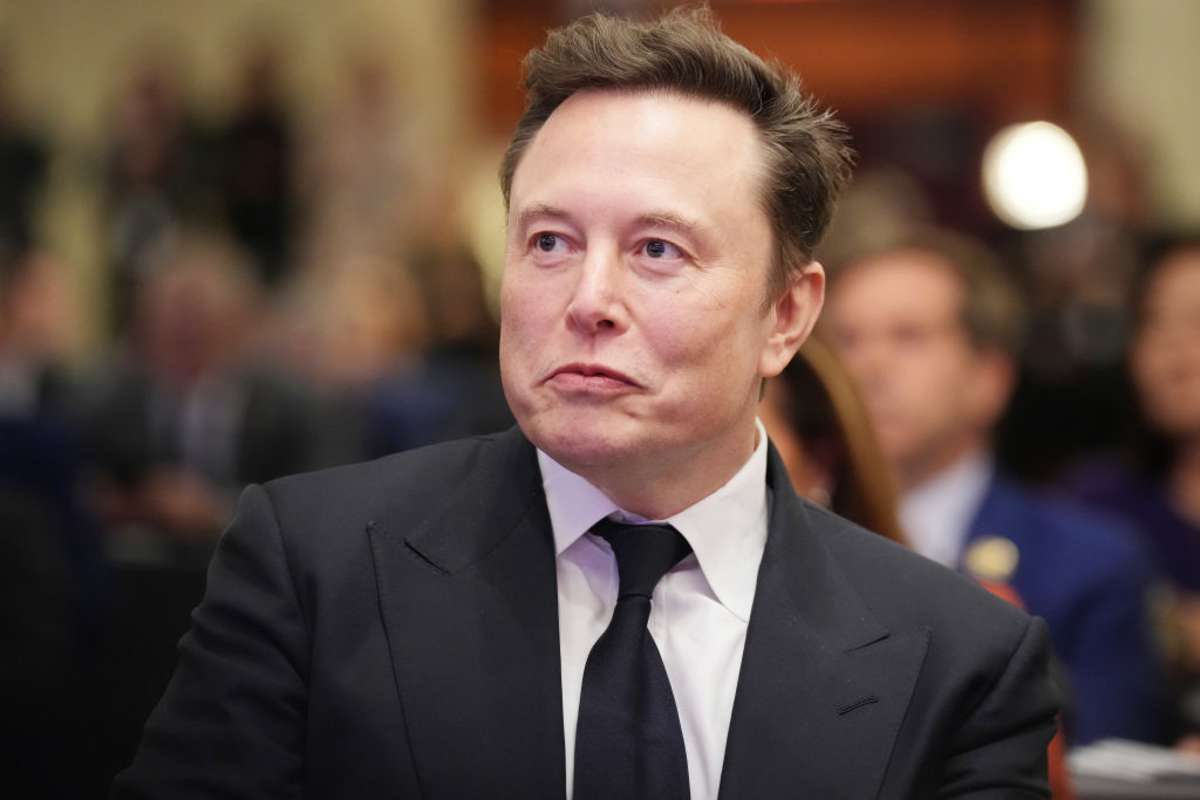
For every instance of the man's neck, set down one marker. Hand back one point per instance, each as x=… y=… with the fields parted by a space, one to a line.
x=663 y=488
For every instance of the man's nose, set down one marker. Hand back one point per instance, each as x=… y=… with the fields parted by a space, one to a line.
x=597 y=302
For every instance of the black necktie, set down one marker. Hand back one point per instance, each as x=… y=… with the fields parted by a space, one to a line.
x=628 y=743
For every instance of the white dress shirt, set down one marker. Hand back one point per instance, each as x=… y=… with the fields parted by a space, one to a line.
x=699 y=611
x=936 y=516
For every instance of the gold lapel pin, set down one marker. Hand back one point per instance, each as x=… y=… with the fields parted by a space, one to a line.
x=992 y=558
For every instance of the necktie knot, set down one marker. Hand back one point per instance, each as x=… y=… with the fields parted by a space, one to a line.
x=644 y=553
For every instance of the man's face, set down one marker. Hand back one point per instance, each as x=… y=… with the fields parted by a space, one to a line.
x=634 y=329
x=896 y=322
x=1166 y=351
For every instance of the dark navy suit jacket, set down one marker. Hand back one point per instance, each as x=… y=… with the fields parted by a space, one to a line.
x=1089 y=579
x=390 y=629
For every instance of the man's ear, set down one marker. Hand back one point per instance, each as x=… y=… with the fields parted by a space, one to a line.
x=793 y=315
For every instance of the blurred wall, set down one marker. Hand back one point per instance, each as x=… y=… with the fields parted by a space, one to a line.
x=1141 y=65
x=67 y=60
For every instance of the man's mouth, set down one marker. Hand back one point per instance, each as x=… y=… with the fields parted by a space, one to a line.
x=591 y=377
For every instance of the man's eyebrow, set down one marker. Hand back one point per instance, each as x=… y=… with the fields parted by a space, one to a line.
x=667 y=219
x=662 y=219
x=540 y=211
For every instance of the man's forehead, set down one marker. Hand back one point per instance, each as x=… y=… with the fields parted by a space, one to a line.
x=637 y=155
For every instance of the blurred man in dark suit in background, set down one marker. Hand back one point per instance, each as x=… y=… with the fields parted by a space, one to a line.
x=188 y=416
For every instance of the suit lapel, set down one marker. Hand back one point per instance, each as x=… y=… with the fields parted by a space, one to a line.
x=823 y=686
x=470 y=607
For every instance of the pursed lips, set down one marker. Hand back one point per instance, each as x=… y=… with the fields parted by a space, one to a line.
x=591 y=376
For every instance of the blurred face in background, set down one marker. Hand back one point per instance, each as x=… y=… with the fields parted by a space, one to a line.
x=39 y=315
x=1166 y=350
x=896 y=321
x=192 y=319
x=634 y=329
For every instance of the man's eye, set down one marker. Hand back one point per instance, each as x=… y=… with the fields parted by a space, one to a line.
x=657 y=248
x=546 y=242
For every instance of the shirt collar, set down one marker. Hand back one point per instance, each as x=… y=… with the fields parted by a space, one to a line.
x=727 y=529
x=937 y=514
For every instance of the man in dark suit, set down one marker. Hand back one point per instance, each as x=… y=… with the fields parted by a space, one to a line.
x=930 y=326
x=622 y=597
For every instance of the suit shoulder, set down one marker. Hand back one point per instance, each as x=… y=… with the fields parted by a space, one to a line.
x=903 y=587
x=428 y=463
x=410 y=482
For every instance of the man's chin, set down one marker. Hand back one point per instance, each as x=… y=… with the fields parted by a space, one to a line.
x=579 y=447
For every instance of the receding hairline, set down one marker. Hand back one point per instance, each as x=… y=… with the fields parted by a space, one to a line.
x=763 y=156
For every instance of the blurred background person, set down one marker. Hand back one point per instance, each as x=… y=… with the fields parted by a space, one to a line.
x=53 y=582
x=38 y=316
x=360 y=168
x=343 y=328
x=24 y=163
x=187 y=415
x=1155 y=482
x=157 y=174
x=175 y=423
x=930 y=327
x=452 y=389
x=256 y=156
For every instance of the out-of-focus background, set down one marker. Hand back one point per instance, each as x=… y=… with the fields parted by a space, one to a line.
x=243 y=238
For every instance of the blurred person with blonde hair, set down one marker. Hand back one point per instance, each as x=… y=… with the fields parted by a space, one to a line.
x=930 y=326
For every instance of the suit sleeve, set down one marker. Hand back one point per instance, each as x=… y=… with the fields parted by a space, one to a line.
x=232 y=721
x=1000 y=750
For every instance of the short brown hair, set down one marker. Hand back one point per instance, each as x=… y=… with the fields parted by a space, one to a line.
x=684 y=51
x=993 y=312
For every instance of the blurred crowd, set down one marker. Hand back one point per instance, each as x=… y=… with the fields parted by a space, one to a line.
x=271 y=310
x=1025 y=410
